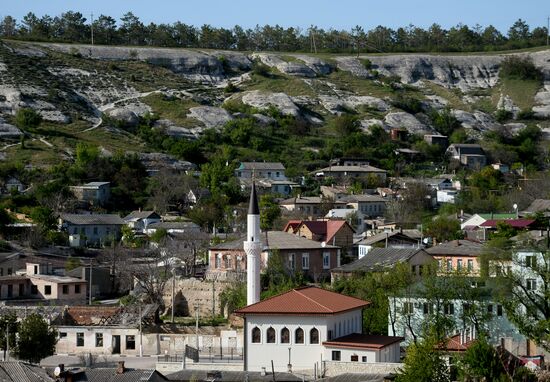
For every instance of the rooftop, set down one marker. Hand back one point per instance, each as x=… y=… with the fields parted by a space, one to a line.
x=275 y=240
x=231 y=376
x=309 y=200
x=380 y=258
x=110 y=375
x=136 y=215
x=457 y=248
x=538 y=205
x=379 y=237
x=362 y=168
x=94 y=185
x=515 y=223
x=261 y=166
x=92 y=219
x=22 y=372
x=363 y=341
x=305 y=301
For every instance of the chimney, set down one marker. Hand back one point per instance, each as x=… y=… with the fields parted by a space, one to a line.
x=457 y=243
x=120 y=368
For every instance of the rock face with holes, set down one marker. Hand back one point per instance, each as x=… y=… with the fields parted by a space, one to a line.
x=264 y=100
x=292 y=68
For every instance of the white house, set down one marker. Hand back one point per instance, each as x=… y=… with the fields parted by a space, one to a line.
x=140 y=220
x=302 y=328
x=261 y=170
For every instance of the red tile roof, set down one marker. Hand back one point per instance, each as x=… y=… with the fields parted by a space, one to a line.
x=294 y=224
x=515 y=223
x=333 y=226
x=305 y=301
x=362 y=341
x=454 y=344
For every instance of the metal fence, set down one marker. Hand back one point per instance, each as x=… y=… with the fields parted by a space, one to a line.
x=208 y=354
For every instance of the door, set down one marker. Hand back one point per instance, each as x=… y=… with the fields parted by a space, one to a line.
x=116 y=344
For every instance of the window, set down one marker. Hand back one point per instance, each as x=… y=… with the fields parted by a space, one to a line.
x=299 y=336
x=36 y=269
x=459 y=265
x=1 y=271
x=130 y=342
x=256 y=335
x=499 y=310
x=428 y=308
x=285 y=336
x=47 y=289
x=470 y=265
x=65 y=289
x=326 y=260
x=336 y=355
x=329 y=334
x=364 y=358
x=34 y=289
x=449 y=308
x=10 y=271
x=10 y=291
x=408 y=308
x=449 y=265
x=439 y=264
x=270 y=336
x=354 y=358
x=530 y=261
x=95 y=231
x=99 y=340
x=305 y=260
x=314 y=336
x=21 y=289
x=291 y=261
x=77 y=289
x=218 y=261
x=490 y=308
x=277 y=174
x=62 y=334
x=227 y=262
x=80 y=339
x=531 y=284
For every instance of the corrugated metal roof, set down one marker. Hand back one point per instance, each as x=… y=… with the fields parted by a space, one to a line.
x=261 y=166
x=515 y=223
x=305 y=301
x=135 y=215
x=110 y=375
x=365 y=169
x=355 y=377
x=22 y=372
x=92 y=219
x=457 y=248
x=380 y=237
x=538 y=205
x=275 y=240
x=231 y=376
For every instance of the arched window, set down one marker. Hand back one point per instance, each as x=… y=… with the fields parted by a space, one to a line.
x=314 y=336
x=285 y=336
x=299 y=336
x=256 y=335
x=270 y=336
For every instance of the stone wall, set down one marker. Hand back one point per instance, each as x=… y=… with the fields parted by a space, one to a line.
x=333 y=368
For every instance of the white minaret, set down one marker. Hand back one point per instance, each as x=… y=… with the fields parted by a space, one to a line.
x=253 y=249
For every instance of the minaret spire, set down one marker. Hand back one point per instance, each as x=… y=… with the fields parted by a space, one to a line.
x=253 y=249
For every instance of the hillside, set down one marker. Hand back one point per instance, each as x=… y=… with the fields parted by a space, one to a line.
x=103 y=95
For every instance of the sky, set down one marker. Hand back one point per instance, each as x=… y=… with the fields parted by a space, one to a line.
x=337 y=14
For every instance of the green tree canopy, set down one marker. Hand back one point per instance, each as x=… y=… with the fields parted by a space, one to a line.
x=36 y=339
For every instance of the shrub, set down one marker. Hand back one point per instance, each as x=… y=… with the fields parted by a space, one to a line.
x=27 y=118
x=520 y=67
x=230 y=88
x=526 y=114
x=260 y=69
x=444 y=122
x=503 y=115
x=408 y=104
x=367 y=63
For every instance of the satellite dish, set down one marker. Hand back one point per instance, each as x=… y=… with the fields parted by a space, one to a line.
x=57 y=371
x=323 y=244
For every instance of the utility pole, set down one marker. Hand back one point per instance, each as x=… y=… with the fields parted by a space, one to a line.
x=173 y=291
x=90 y=292
x=140 y=334
x=547 y=30
x=7 y=341
x=92 y=28
x=197 y=307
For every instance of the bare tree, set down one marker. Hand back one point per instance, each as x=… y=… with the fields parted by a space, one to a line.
x=169 y=188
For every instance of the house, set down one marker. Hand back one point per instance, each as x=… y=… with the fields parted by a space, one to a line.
x=311 y=205
x=173 y=227
x=307 y=327
x=334 y=232
x=18 y=371
x=380 y=259
x=265 y=185
x=390 y=239
x=14 y=184
x=369 y=205
x=102 y=329
x=476 y=220
x=340 y=172
x=94 y=193
x=140 y=220
x=468 y=155
x=298 y=254
x=435 y=139
x=356 y=218
x=39 y=282
x=460 y=256
x=259 y=170
x=11 y=263
x=446 y=196
x=349 y=161
x=194 y=196
x=503 y=168
x=91 y=229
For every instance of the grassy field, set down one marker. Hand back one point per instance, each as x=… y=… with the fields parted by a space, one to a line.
x=522 y=92
x=175 y=109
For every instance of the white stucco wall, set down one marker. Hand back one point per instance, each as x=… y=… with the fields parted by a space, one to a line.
x=302 y=356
